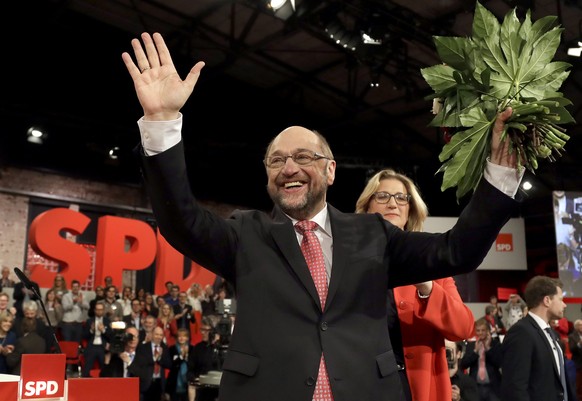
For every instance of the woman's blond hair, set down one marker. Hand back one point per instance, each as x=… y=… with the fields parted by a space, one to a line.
x=418 y=211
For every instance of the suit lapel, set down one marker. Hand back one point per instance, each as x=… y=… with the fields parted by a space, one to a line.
x=342 y=235
x=284 y=235
x=547 y=345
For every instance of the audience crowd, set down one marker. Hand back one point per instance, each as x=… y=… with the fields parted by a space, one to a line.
x=170 y=340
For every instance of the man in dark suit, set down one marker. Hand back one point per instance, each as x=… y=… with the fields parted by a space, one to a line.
x=96 y=331
x=116 y=364
x=283 y=338
x=152 y=358
x=575 y=345
x=533 y=361
x=29 y=343
x=483 y=359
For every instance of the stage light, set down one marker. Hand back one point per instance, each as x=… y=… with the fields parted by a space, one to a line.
x=114 y=153
x=36 y=135
x=575 y=51
x=283 y=9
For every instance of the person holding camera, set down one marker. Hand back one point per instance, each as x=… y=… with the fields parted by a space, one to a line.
x=205 y=356
x=96 y=331
x=116 y=363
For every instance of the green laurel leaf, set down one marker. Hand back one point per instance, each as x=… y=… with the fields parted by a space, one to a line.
x=508 y=63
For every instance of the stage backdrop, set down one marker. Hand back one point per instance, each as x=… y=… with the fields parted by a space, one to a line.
x=568 y=225
x=507 y=253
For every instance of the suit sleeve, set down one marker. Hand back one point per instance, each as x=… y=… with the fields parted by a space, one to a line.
x=445 y=310
x=517 y=348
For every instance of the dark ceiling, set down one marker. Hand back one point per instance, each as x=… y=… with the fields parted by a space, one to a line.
x=62 y=69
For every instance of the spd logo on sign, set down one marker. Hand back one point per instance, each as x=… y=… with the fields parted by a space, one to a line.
x=42 y=377
x=504 y=243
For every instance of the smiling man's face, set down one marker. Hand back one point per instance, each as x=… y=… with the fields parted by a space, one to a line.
x=299 y=190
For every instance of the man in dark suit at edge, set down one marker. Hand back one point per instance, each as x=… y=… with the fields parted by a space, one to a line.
x=282 y=334
x=532 y=358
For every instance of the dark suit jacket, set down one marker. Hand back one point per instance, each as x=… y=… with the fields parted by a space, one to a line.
x=529 y=368
x=492 y=363
x=575 y=349
x=281 y=330
x=143 y=365
x=31 y=343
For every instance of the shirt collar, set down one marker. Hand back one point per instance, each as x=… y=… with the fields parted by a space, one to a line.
x=322 y=220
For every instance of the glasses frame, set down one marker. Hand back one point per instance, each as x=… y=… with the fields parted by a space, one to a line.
x=313 y=157
x=400 y=202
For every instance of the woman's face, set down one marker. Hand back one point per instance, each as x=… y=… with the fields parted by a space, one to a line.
x=6 y=325
x=391 y=211
x=166 y=309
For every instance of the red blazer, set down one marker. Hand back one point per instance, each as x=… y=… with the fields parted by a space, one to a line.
x=425 y=323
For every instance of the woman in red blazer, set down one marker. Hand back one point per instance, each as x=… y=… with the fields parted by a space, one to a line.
x=427 y=312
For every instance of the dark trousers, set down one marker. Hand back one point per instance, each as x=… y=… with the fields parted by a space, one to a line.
x=91 y=354
x=72 y=331
x=579 y=384
x=486 y=392
x=154 y=391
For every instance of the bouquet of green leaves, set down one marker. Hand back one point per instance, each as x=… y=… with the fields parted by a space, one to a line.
x=500 y=65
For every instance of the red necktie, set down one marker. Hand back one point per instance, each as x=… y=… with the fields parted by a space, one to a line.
x=156 y=360
x=482 y=369
x=313 y=254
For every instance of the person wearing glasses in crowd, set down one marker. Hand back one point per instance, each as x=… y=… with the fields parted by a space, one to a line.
x=335 y=344
x=203 y=358
x=423 y=315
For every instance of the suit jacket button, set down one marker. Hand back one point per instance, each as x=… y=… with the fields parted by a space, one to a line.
x=310 y=381
x=323 y=326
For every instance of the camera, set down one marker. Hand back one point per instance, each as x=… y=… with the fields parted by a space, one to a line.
x=119 y=338
x=450 y=357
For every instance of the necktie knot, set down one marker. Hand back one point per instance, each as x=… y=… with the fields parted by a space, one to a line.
x=304 y=226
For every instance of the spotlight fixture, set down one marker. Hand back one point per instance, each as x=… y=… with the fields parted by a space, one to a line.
x=114 y=153
x=526 y=185
x=36 y=135
x=575 y=51
x=283 y=9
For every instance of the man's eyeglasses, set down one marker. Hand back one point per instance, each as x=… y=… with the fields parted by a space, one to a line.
x=303 y=158
x=384 y=197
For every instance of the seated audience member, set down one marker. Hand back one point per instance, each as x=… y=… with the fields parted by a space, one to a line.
x=115 y=364
x=490 y=313
x=498 y=314
x=151 y=360
x=96 y=331
x=125 y=300
x=204 y=358
x=422 y=315
x=113 y=308
x=149 y=306
x=30 y=311
x=134 y=317
x=149 y=322
x=5 y=280
x=483 y=359
x=59 y=286
x=575 y=345
x=184 y=312
x=4 y=307
x=7 y=339
x=54 y=309
x=99 y=295
x=168 y=324
x=514 y=310
x=75 y=307
x=173 y=299
x=177 y=384
x=463 y=386
x=29 y=343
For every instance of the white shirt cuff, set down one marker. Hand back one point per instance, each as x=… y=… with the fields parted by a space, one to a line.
x=158 y=136
x=505 y=179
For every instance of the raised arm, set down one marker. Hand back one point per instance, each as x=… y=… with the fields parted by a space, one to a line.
x=159 y=88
